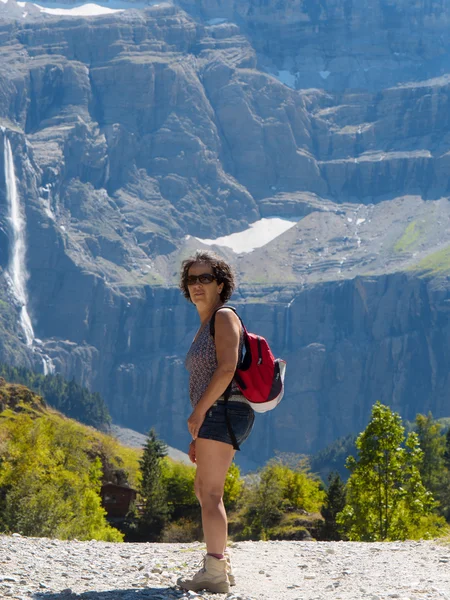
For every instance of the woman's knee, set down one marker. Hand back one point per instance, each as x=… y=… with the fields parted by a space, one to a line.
x=208 y=496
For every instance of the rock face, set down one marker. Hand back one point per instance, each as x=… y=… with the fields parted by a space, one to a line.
x=132 y=131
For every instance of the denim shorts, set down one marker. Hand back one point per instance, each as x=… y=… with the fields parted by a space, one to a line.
x=241 y=418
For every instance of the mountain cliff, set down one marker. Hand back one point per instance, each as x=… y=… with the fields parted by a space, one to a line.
x=137 y=135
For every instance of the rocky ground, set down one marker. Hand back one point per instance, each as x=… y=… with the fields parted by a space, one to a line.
x=46 y=569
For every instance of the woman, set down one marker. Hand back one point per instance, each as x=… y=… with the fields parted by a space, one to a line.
x=208 y=282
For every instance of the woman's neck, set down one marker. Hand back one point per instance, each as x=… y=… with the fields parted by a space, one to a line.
x=206 y=312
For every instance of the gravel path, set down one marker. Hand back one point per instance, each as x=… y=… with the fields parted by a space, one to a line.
x=45 y=569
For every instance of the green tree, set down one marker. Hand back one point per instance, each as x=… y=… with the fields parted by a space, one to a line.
x=333 y=505
x=386 y=498
x=156 y=510
x=276 y=490
x=49 y=485
x=233 y=486
x=263 y=501
x=434 y=470
x=447 y=449
x=432 y=443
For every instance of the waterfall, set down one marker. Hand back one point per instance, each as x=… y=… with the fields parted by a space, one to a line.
x=48 y=368
x=287 y=324
x=16 y=272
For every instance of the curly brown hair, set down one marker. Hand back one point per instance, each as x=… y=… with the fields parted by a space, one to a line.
x=221 y=270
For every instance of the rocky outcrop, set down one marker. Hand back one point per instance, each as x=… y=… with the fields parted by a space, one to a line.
x=131 y=132
x=347 y=345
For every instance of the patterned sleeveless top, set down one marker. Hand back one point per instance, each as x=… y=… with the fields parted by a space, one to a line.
x=201 y=362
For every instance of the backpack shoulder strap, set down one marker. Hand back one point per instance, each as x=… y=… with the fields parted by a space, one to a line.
x=213 y=318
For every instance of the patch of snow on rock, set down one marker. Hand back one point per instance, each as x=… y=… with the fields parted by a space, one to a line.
x=287 y=78
x=85 y=10
x=324 y=74
x=257 y=235
x=89 y=9
x=216 y=21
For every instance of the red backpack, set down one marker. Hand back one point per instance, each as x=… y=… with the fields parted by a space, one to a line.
x=259 y=375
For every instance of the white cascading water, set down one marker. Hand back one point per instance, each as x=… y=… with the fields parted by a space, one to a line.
x=16 y=271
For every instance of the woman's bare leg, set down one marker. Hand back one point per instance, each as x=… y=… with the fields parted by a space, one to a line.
x=213 y=461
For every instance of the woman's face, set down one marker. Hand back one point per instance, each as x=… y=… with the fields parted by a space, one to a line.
x=206 y=294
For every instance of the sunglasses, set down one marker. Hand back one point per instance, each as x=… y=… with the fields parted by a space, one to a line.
x=203 y=278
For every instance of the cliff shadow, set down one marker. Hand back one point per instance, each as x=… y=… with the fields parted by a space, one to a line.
x=157 y=593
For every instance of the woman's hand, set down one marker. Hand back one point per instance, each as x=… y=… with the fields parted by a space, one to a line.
x=195 y=421
x=191 y=451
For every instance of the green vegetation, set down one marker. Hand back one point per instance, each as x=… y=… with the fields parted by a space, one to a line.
x=66 y=396
x=413 y=233
x=334 y=503
x=52 y=469
x=274 y=492
x=155 y=512
x=386 y=498
x=434 y=467
x=49 y=486
x=437 y=263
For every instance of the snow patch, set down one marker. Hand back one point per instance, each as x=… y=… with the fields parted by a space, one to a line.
x=216 y=21
x=257 y=235
x=287 y=78
x=324 y=74
x=89 y=9
x=85 y=10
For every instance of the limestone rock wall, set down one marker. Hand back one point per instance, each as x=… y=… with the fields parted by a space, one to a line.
x=131 y=132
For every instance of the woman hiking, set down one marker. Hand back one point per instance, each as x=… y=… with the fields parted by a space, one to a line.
x=208 y=282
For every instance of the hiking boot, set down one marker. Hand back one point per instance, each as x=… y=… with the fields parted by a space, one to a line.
x=231 y=577
x=211 y=577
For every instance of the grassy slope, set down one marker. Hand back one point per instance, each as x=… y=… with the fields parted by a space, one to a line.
x=16 y=399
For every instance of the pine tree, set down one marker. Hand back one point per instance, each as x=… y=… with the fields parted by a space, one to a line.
x=444 y=489
x=433 y=469
x=155 y=512
x=334 y=504
x=386 y=498
x=447 y=450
